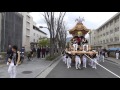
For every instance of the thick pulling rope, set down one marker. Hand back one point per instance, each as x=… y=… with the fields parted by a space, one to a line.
x=104 y=68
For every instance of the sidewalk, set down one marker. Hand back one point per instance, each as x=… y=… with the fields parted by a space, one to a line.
x=113 y=60
x=29 y=69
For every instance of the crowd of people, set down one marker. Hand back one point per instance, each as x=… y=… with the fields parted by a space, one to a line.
x=40 y=52
x=81 y=61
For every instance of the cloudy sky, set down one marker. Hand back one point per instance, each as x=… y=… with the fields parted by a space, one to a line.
x=92 y=19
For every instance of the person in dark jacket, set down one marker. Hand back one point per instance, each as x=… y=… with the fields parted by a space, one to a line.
x=9 y=52
x=43 y=52
x=47 y=50
x=38 y=52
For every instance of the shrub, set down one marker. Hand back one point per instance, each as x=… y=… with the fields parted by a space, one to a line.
x=3 y=55
x=52 y=57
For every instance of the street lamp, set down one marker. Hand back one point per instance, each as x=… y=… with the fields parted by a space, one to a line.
x=43 y=27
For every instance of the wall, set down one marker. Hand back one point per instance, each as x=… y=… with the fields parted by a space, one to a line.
x=0 y=31
x=27 y=30
x=12 y=24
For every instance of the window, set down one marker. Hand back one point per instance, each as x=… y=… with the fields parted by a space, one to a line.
x=116 y=38
x=107 y=40
x=111 y=31
x=28 y=18
x=107 y=33
x=103 y=34
x=34 y=34
x=27 y=24
x=34 y=40
x=103 y=41
x=28 y=31
x=111 y=39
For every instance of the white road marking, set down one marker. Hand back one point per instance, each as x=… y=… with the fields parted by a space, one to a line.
x=105 y=68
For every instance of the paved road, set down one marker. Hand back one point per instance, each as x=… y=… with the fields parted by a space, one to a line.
x=61 y=71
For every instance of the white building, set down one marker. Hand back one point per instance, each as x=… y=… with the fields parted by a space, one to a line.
x=108 y=34
x=27 y=29
x=36 y=35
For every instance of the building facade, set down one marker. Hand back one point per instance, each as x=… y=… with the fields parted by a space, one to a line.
x=107 y=35
x=36 y=35
x=27 y=29
x=11 y=24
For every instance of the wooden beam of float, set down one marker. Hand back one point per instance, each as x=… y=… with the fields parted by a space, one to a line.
x=81 y=52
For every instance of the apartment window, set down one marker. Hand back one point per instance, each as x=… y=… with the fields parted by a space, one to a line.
x=103 y=34
x=107 y=40
x=27 y=24
x=111 y=39
x=117 y=29
x=28 y=31
x=33 y=40
x=103 y=41
x=116 y=38
x=28 y=18
x=107 y=33
x=117 y=20
x=111 y=31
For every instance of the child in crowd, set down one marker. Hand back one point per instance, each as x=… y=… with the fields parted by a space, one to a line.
x=77 y=61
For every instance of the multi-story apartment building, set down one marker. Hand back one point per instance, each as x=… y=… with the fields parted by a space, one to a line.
x=11 y=24
x=27 y=29
x=36 y=35
x=107 y=35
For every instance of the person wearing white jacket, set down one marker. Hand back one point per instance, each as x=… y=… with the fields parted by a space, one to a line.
x=69 y=60
x=84 y=61
x=75 y=45
x=77 y=62
x=13 y=61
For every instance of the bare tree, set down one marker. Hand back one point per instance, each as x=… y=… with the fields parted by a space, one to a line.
x=54 y=25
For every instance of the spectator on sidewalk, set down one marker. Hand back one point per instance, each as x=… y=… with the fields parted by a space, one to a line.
x=47 y=50
x=103 y=55
x=9 y=52
x=43 y=52
x=30 y=55
x=13 y=61
x=117 y=54
x=38 y=52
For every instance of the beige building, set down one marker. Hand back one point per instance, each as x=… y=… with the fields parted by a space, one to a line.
x=107 y=35
x=27 y=29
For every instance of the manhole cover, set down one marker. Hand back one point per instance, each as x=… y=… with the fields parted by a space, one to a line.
x=27 y=72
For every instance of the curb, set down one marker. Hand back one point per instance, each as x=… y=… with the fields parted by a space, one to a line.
x=49 y=65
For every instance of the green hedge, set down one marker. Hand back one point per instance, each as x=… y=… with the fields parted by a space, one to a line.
x=52 y=57
x=3 y=54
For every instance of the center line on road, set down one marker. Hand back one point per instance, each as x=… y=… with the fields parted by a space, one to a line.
x=105 y=68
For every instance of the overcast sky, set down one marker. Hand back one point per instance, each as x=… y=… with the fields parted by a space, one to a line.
x=92 y=19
